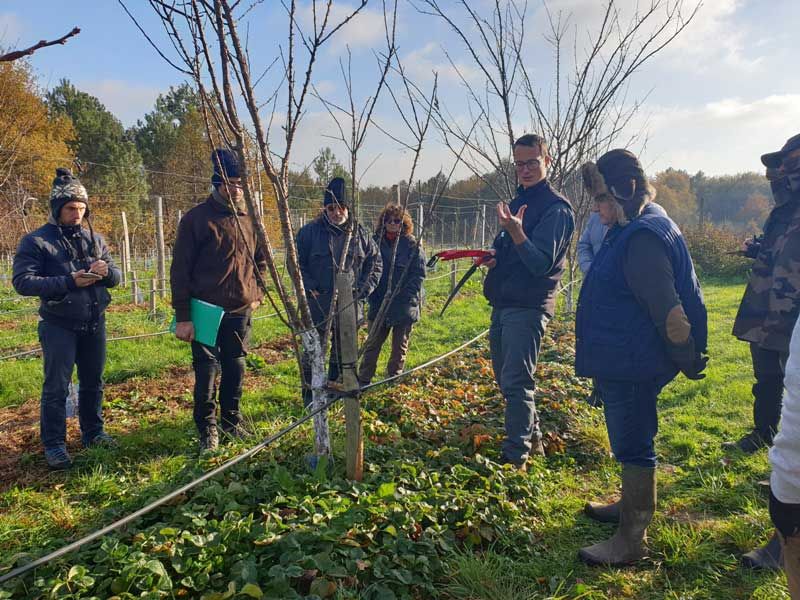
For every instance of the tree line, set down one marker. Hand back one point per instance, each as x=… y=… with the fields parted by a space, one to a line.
x=166 y=153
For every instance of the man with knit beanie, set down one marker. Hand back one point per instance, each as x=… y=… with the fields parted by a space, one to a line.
x=320 y=246
x=218 y=258
x=641 y=319
x=70 y=269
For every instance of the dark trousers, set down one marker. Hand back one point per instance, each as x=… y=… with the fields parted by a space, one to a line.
x=62 y=350
x=786 y=518
x=768 y=368
x=515 y=336
x=631 y=419
x=334 y=364
x=397 y=359
x=227 y=357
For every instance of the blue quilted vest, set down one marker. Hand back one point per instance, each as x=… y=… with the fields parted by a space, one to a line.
x=615 y=337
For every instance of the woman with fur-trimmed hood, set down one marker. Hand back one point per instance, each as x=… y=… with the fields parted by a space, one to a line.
x=641 y=319
x=394 y=227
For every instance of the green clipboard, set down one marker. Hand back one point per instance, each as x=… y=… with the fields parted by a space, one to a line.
x=206 y=318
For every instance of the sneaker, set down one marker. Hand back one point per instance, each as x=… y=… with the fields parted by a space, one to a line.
x=750 y=443
x=102 y=440
x=209 y=439
x=57 y=458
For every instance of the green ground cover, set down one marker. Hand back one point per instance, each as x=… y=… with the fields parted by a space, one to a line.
x=434 y=517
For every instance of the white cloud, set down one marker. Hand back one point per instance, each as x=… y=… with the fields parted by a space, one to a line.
x=365 y=29
x=724 y=136
x=11 y=29
x=714 y=39
x=128 y=101
x=420 y=65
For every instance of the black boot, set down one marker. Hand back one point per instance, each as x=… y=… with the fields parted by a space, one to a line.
x=767 y=557
x=750 y=443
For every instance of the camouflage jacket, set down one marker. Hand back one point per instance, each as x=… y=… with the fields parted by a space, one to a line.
x=771 y=300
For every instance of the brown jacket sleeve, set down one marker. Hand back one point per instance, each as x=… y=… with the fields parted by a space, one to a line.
x=180 y=272
x=648 y=272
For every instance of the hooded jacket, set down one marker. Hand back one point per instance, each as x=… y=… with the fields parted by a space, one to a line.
x=43 y=266
x=404 y=307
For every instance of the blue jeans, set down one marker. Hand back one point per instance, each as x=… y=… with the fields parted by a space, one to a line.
x=631 y=418
x=515 y=337
x=227 y=358
x=62 y=350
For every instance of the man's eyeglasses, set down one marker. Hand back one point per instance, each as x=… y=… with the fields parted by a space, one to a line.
x=331 y=208
x=531 y=164
x=393 y=221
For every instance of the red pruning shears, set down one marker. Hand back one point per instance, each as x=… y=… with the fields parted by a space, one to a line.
x=480 y=257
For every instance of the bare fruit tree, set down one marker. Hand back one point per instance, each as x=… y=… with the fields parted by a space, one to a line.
x=206 y=44
x=582 y=107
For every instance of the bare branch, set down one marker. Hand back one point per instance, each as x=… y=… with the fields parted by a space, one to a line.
x=17 y=54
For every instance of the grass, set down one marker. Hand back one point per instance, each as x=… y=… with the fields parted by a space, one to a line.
x=434 y=515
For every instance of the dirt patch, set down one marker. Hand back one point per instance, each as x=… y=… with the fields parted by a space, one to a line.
x=125 y=405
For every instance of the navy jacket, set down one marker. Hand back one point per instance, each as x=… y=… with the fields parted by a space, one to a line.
x=615 y=336
x=526 y=276
x=404 y=307
x=43 y=265
x=318 y=242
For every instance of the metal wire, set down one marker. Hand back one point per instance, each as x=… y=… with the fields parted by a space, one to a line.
x=223 y=467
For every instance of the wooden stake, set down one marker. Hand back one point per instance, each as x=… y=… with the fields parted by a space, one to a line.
x=162 y=265
x=126 y=244
x=348 y=345
x=134 y=288
x=153 y=291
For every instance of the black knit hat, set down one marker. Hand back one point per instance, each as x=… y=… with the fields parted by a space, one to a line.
x=336 y=192
x=66 y=188
x=226 y=165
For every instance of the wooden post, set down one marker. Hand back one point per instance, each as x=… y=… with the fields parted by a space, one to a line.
x=420 y=221
x=134 y=288
x=483 y=226
x=126 y=244
x=153 y=292
x=348 y=344
x=162 y=265
x=123 y=269
x=452 y=276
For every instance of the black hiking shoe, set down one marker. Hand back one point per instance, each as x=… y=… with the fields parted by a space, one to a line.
x=768 y=557
x=750 y=443
x=57 y=458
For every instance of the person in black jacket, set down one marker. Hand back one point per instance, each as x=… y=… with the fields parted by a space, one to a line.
x=521 y=284
x=320 y=245
x=70 y=269
x=394 y=227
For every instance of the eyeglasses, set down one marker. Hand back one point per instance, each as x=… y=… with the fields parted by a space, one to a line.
x=331 y=208
x=393 y=221
x=531 y=164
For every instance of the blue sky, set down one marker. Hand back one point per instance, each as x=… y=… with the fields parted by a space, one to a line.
x=722 y=94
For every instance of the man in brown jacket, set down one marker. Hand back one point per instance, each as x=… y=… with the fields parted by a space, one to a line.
x=215 y=257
